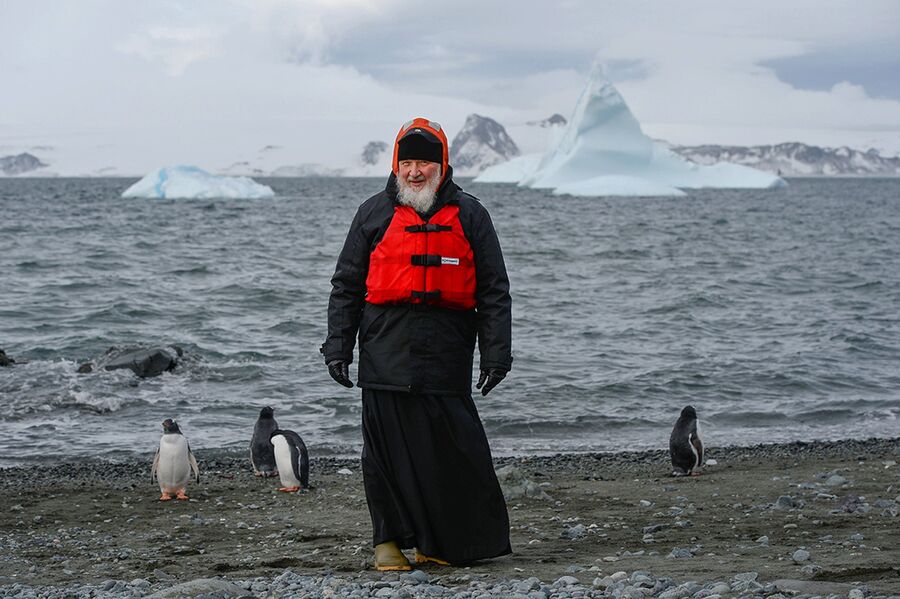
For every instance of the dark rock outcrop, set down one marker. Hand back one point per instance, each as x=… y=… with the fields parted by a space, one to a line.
x=5 y=360
x=142 y=361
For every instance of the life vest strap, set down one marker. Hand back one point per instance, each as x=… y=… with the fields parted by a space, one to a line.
x=427 y=295
x=426 y=260
x=428 y=228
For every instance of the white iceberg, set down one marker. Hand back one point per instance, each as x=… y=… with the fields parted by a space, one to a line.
x=511 y=171
x=617 y=185
x=603 y=151
x=191 y=182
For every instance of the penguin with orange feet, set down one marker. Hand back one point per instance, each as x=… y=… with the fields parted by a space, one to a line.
x=291 y=459
x=174 y=462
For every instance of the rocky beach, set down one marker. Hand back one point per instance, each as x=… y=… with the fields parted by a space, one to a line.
x=790 y=520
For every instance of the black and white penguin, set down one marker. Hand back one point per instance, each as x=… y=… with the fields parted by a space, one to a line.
x=173 y=463
x=292 y=460
x=685 y=447
x=262 y=455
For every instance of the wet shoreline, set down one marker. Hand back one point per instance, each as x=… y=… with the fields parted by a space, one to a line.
x=822 y=513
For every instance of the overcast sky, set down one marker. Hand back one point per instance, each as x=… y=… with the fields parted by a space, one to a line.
x=152 y=83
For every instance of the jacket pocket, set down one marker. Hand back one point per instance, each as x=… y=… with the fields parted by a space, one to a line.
x=371 y=321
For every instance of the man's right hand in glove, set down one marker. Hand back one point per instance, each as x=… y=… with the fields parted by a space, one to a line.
x=340 y=372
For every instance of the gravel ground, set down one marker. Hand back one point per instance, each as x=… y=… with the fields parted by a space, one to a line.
x=792 y=520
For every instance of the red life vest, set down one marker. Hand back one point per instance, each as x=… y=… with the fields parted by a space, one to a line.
x=423 y=263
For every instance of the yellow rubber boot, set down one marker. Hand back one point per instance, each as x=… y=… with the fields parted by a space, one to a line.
x=388 y=557
x=421 y=558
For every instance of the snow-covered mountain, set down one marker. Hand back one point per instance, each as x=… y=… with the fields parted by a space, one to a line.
x=603 y=151
x=554 y=120
x=482 y=142
x=374 y=161
x=796 y=159
x=19 y=164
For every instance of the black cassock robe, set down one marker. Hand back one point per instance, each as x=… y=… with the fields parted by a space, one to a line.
x=429 y=478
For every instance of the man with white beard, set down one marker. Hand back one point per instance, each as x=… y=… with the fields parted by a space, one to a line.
x=420 y=278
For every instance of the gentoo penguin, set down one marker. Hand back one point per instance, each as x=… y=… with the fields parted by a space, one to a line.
x=685 y=446
x=262 y=456
x=173 y=463
x=292 y=460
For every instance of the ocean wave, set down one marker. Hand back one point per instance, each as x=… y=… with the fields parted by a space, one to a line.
x=767 y=316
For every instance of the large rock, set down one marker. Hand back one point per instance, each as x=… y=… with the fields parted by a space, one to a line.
x=5 y=360
x=143 y=361
x=515 y=485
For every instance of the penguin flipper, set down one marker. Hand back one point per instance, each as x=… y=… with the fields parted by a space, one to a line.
x=698 y=449
x=154 y=467
x=194 y=467
x=299 y=457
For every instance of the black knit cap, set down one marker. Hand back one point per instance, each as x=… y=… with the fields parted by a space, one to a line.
x=419 y=144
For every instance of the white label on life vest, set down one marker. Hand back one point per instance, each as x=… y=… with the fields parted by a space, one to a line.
x=453 y=261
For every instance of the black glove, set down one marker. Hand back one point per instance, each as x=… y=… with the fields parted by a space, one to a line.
x=340 y=372
x=489 y=378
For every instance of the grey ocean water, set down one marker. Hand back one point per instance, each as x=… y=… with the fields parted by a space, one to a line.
x=775 y=313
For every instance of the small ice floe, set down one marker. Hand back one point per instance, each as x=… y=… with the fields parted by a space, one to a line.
x=191 y=182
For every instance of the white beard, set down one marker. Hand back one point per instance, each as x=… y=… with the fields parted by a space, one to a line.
x=421 y=201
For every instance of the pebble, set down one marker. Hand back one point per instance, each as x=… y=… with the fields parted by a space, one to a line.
x=416 y=577
x=680 y=553
x=801 y=555
x=649 y=530
x=574 y=532
x=786 y=502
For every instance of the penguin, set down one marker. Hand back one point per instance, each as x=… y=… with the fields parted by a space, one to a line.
x=292 y=460
x=173 y=463
x=262 y=455
x=685 y=447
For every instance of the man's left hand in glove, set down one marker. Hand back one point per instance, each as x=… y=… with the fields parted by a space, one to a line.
x=489 y=378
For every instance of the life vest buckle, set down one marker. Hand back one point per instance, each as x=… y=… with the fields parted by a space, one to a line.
x=427 y=295
x=428 y=228
x=426 y=260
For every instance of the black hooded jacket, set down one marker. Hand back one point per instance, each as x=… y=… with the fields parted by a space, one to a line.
x=415 y=347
